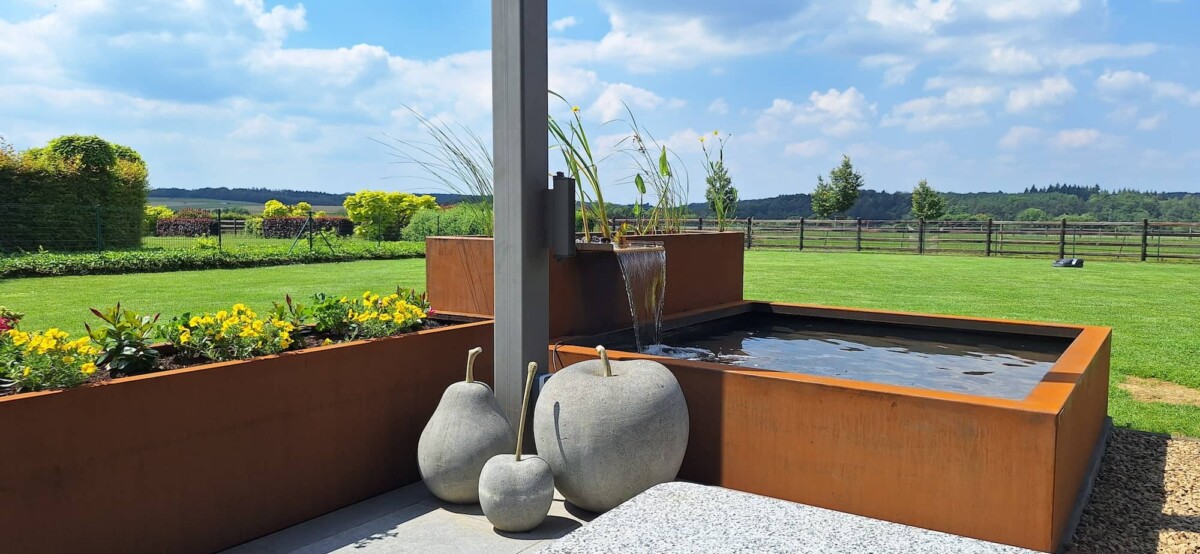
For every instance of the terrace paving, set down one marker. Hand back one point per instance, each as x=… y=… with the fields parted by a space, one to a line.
x=676 y=517
x=411 y=519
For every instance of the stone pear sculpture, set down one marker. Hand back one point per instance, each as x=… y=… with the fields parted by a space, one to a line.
x=610 y=430
x=516 y=491
x=466 y=429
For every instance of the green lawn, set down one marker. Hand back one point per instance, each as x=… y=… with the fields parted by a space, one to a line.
x=1149 y=305
x=63 y=301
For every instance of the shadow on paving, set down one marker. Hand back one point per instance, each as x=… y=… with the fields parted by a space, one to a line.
x=1146 y=498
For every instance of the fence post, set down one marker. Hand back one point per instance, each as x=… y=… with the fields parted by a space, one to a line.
x=220 y=231
x=749 y=232
x=920 y=236
x=99 y=228
x=1145 y=237
x=702 y=224
x=1062 y=239
x=311 y=225
x=802 y=234
x=988 y=246
x=858 y=236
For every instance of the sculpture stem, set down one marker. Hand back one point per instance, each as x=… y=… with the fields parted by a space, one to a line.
x=471 y=355
x=604 y=358
x=524 y=407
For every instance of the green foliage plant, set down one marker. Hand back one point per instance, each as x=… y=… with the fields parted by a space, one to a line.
x=236 y=334
x=583 y=165
x=659 y=172
x=456 y=221
x=720 y=193
x=33 y=361
x=370 y=315
x=379 y=215
x=453 y=159
x=927 y=203
x=152 y=215
x=124 y=341
x=1033 y=214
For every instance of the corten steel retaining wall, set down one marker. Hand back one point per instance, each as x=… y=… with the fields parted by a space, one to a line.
x=703 y=269
x=205 y=458
x=994 y=469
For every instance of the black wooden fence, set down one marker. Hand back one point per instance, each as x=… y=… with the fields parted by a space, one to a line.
x=1143 y=240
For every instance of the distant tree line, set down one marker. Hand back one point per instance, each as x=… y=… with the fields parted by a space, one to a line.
x=1073 y=202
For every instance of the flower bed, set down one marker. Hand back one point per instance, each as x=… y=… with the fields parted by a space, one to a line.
x=205 y=457
x=41 y=360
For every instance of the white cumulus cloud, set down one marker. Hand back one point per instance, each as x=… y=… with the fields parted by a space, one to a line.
x=1050 y=91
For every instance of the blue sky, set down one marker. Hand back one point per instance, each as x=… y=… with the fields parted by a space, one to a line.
x=971 y=95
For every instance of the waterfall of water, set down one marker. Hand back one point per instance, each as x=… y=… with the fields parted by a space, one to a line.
x=645 y=273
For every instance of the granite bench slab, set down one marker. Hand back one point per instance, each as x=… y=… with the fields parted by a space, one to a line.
x=686 y=517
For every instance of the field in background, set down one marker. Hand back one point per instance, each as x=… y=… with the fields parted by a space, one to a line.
x=213 y=204
x=1149 y=305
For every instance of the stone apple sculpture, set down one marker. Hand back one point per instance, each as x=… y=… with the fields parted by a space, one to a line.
x=516 y=491
x=610 y=430
x=466 y=429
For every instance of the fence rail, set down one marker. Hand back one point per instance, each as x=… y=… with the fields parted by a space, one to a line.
x=1138 y=241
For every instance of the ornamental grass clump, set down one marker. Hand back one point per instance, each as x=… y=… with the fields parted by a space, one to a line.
x=33 y=361
x=228 y=335
x=370 y=315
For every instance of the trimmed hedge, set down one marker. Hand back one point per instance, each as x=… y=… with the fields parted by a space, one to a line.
x=49 y=264
x=76 y=193
x=185 y=227
x=289 y=227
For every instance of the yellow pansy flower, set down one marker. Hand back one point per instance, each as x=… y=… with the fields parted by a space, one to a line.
x=88 y=368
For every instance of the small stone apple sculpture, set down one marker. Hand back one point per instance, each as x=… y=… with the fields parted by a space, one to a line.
x=516 y=491
x=610 y=430
x=466 y=429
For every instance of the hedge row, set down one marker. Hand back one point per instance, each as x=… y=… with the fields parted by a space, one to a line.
x=50 y=195
x=185 y=227
x=50 y=264
x=289 y=227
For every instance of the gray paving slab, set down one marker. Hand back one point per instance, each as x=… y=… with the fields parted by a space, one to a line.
x=690 y=518
x=411 y=519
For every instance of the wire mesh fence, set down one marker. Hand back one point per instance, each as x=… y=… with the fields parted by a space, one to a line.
x=28 y=228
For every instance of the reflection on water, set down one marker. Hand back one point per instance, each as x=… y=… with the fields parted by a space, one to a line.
x=985 y=364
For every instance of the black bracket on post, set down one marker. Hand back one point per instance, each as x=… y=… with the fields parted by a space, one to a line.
x=562 y=217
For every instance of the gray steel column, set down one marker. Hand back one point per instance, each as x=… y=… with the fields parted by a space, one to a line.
x=520 y=147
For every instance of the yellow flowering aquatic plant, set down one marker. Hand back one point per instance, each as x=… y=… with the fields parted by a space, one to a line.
x=33 y=361
x=370 y=315
x=235 y=334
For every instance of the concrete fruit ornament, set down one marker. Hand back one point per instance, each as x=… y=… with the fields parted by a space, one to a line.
x=610 y=430
x=466 y=429
x=514 y=491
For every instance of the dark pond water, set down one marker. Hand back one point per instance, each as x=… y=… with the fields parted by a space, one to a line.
x=985 y=364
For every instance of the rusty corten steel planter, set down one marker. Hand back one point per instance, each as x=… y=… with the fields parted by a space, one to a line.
x=1000 y=470
x=587 y=293
x=207 y=457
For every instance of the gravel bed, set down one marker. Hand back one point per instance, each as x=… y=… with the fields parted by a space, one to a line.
x=1146 y=498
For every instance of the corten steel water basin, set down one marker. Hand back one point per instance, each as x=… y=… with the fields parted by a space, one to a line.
x=1008 y=471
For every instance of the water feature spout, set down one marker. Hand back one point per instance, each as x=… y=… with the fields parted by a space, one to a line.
x=644 y=268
